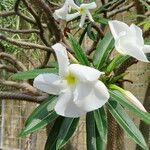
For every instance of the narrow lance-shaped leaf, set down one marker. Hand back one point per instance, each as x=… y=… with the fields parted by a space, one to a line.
x=117 y=96
x=31 y=74
x=117 y=61
x=118 y=77
x=50 y=99
x=101 y=123
x=79 y=53
x=100 y=144
x=126 y=123
x=90 y=132
x=82 y=36
x=40 y=117
x=103 y=49
x=61 y=132
x=99 y=19
x=67 y=129
x=90 y=33
x=53 y=134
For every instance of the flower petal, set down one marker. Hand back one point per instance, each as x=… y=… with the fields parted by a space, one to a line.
x=66 y=107
x=84 y=73
x=49 y=83
x=72 y=16
x=138 y=35
x=119 y=48
x=127 y=45
x=146 y=49
x=117 y=27
x=82 y=20
x=62 y=58
x=90 y=16
x=72 y=4
x=89 y=6
x=134 y=100
x=62 y=12
x=91 y=96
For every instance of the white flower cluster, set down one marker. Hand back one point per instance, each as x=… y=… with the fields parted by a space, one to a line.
x=78 y=86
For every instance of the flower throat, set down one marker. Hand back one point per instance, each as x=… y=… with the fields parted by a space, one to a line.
x=71 y=79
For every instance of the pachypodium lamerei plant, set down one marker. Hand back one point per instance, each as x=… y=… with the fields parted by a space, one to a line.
x=89 y=86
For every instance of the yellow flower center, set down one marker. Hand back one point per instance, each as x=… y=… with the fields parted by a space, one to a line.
x=82 y=10
x=71 y=79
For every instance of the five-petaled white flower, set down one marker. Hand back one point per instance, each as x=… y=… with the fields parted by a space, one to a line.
x=77 y=85
x=82 y=10
x=129 y=40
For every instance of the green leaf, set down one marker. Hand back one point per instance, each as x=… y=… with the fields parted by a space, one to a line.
x=118 y=77
x=117 y=96
x=31 y=74
x=90 y=132
x=101 y=20
x=126 y=123
x=101 y=123
x=53 y=134
x=93 y=138
x=79 y=53
x=82 y=36
x=100 y=144
x=61 y=132
x=103 y=49
x=40 y=117
x=116 y=62
x=90 y=33
x=67 y=129
x=148 y=56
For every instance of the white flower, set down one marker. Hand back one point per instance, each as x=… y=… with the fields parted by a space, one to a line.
x=129 y=40
x=82 y=10
x=78 y=86
x=63 y=11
